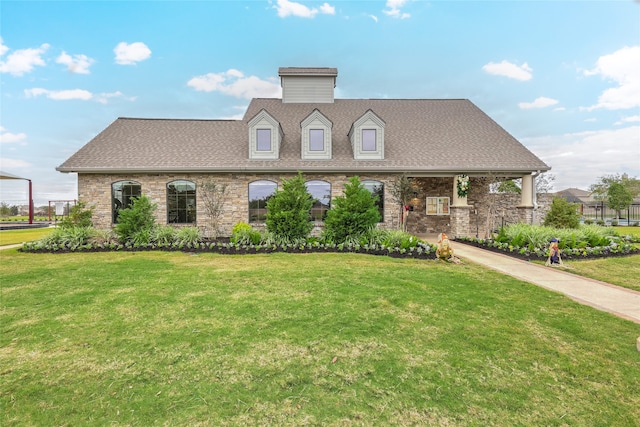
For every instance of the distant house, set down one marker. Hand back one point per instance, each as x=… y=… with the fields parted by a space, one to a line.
x=433 y=141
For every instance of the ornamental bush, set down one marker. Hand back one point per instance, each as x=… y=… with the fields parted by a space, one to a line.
x=79 y=216
x=352 y=214
x=562 y=214
x=288 y=210
x=136 y=221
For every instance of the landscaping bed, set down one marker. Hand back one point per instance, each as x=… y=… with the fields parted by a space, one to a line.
x=422 y=250
x=541 y=254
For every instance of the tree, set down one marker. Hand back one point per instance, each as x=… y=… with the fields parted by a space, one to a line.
x=509 y=186
x=562 y=214
x=402 y=191
x=619 y=197
x=5 y=209
x=288 y=210
x=617 y=190
x=352 y=214
x=213 y=198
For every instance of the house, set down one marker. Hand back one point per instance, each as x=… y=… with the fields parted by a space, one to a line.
x=435 y=142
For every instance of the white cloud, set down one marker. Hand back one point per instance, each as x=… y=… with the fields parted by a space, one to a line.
x=394 y=11
x=3 y=49
x=75 y=94
x=374 y=17
x=233 y=82
x=78 y=64
x=622 y=67
x=60 y=95
x=541 y=102
x=630 y=119
x=22 y=60
x=10 y=138
x=290 y=8
x=128 y=54
x=508 y=69
x=578 y=159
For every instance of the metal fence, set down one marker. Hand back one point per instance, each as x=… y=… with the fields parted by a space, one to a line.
x=601 y=212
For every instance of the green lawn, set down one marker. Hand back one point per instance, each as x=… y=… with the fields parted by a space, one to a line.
x=621 y=271
x=11 y=237
x=159 y=338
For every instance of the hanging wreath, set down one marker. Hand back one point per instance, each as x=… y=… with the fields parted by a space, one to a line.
x=463 y=185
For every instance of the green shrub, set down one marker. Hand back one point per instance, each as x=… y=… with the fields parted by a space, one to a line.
x=352 y=214
x=600 y=222
x=614 y=222
x=139 y=216
x=188 y=235
x=288 y=210
x=79 y=216
x=164 y=234
x=588 y=221
x=562 y=214
x=244 y=234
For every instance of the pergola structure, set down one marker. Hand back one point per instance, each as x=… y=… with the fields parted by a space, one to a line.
x=5 y=175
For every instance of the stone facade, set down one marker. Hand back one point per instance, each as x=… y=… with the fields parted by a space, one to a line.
x=95 y=189
x=470 y=220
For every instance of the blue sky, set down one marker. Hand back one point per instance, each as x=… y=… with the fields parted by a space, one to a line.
x=562 y=77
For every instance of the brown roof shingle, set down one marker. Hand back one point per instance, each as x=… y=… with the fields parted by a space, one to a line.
x=421 y=136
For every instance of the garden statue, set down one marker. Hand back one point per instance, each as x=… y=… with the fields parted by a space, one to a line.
x=444 y=250
x=554 y=253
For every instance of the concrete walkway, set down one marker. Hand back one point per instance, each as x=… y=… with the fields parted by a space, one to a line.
x=603 y=296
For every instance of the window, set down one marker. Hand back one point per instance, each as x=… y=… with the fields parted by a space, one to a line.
x=181 y=202
x=376 y=188
x=316 y=139
x=321 y=193
x=367 y=137
x=369 y=140
x=437 y=206
x=263 y=137
x=122 y=193
x=259 y=194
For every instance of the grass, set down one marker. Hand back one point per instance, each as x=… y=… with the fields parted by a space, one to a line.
x=624 y=231
x=160 y=338
x=11 y=237
x=623 y=271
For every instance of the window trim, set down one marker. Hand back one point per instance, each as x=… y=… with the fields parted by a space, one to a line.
x=368 y=121
x=263 y=121
x=315 y=121
x=249 y=200
x=442 y=209
x=186 y=208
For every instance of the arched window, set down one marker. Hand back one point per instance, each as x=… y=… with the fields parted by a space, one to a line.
x=377 y=189
x=121 y=194
x=181 y=202
x=321 y=193
x=259 y=193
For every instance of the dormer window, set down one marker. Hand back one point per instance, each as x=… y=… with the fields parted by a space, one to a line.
x=369 y=140
x=263 y=138
x=316 y=137
x=265 y=135
x=367 y=137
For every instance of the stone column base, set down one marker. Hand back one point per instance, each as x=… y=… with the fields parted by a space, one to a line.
x=461 y=221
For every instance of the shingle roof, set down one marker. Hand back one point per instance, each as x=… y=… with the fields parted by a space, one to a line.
x=421 y=137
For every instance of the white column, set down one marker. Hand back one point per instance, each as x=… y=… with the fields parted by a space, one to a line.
x=527 y=192
x=457 y=200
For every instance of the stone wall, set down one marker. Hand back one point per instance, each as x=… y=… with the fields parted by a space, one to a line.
x=95 y=189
